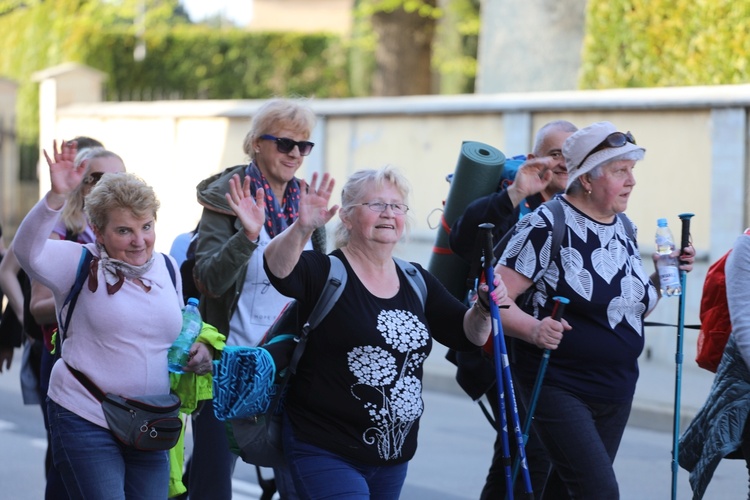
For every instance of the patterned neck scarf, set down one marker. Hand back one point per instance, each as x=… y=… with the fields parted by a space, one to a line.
x=115 y=272
x=278 y=217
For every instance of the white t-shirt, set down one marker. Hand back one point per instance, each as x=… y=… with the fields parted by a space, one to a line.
x=259 y=302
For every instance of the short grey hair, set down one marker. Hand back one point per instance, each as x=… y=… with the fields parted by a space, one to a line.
x=356 y=189
x=541 y=135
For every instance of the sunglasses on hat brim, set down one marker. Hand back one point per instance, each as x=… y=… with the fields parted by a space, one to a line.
x=613 y=140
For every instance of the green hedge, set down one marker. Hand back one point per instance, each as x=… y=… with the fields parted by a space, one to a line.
x=656 y=43
x=194 y=62
x=183 y=61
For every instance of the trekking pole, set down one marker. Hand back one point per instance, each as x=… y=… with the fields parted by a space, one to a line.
x=684 y=241
x=557 y=312
x=504 y=381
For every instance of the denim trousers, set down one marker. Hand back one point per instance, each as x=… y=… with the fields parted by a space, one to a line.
x=94 y=464
x=319 y=474
x=54 y=489
x=582 y=440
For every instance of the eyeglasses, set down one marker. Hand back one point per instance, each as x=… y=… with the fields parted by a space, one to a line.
x=93 y=178
x=380 y=207
x=613 y=140
x=285 y=145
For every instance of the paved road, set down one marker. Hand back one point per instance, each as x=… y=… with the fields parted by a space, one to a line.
x=454 y=450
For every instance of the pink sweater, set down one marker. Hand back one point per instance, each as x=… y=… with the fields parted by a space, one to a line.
x=119 y=341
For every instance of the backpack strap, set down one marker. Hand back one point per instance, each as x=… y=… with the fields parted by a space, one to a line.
x=627 y=224
x=170 y=268
x=332 y=290
x=416 y=280
x=83 y=266
x=558 y=227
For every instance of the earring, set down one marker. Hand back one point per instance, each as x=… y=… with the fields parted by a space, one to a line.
x=588 y=192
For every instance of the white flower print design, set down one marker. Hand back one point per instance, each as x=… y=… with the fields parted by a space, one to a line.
x=400 y=402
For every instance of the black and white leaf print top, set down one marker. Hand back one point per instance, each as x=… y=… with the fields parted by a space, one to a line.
x=599 y=269
x=358 y=387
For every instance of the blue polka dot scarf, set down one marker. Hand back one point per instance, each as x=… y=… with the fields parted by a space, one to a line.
x=278 y=217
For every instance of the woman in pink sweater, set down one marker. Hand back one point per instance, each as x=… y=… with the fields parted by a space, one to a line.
x=126 y=317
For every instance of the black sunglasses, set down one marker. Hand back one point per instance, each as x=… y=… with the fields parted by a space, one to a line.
x=613 y=140
x=285 y=145
x=93 y=178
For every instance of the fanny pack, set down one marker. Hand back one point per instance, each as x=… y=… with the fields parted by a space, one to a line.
x=146 y=423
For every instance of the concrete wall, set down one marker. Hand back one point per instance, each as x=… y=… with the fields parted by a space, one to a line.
x=530 y=45
x=696 y=140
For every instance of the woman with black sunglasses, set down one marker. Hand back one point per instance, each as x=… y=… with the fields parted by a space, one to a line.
x=237 y=296
x=588 y=388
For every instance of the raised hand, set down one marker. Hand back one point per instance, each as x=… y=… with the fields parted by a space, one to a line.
x=251 y=212
x=313 y=202
x=64 y=175
x=532 y=177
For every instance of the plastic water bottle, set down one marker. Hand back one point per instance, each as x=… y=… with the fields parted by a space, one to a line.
x=191 y=328
x=666 y=266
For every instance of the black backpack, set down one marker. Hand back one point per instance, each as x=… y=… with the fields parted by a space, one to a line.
x=189 y=288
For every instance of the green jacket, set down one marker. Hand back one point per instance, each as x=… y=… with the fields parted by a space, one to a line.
x=223 y=251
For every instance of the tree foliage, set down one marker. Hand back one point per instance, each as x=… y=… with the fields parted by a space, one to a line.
x=182 y=60
x=451 y=25
x=655 y=43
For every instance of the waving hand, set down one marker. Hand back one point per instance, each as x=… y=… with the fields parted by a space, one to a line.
x=313 y=202
x=250 y=211
x=64 y=175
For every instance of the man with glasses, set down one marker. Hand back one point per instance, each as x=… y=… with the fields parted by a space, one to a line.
x=236 y=294
x=541 y=177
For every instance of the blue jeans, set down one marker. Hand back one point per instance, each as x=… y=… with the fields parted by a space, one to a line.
x=55 y=489
x=94 y=464
x=582 y=440
x=319 y=474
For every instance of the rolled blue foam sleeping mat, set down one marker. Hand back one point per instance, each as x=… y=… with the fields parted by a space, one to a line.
x=477 y=174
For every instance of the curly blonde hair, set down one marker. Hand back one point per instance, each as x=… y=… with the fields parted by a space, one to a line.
x=120 y=191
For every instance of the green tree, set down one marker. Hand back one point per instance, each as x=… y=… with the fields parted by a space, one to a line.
x=404 y=32
x=406 y=47
x=181 y=60
x=655 y=43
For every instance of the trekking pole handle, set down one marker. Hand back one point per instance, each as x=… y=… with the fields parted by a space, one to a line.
x=685 y=237
x=559 y=309
x=486 y=230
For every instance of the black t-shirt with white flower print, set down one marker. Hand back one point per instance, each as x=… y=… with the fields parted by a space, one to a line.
x=358 y=387
x=599 y=269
